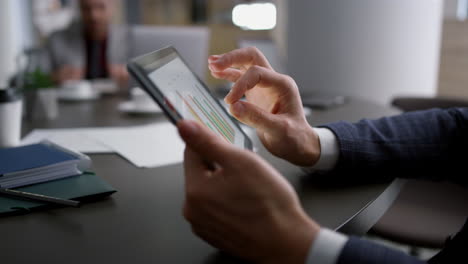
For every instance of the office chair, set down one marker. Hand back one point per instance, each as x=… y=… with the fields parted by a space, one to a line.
x=425 y=213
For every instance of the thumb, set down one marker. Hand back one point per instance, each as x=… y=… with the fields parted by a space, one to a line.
x=254 y=116
x=207 y=144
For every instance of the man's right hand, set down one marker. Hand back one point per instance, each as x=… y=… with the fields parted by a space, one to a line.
x=273 y=105
x=239 y=203
x=119 y=73
x=68 y=73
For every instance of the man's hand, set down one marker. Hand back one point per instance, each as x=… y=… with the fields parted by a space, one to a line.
x=273 y=106
x=243 y=205
x=68 y=73
x=119 y=74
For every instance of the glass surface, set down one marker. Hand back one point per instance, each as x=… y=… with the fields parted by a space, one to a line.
x=183 y=92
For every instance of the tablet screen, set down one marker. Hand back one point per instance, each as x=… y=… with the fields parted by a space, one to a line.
x=184 y=92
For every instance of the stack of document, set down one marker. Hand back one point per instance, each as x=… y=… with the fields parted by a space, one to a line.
x=146 y=146
x=38 y=163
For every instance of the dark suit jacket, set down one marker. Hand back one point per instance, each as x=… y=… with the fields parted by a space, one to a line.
x=429 y=144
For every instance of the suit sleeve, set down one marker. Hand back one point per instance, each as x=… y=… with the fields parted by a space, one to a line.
x=361 y=251
x=428 y=144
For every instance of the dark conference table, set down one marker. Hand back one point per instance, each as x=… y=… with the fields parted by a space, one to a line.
x=143 y=223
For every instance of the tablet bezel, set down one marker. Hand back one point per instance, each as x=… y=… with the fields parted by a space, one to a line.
x=141 y=66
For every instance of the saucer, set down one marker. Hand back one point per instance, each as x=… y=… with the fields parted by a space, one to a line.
x=66 y=94
x=105 y=86
x=131 y=108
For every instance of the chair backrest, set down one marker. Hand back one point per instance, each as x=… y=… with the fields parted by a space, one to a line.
x=191 y=42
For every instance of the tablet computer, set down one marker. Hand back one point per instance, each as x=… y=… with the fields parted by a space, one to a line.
x=165 y=76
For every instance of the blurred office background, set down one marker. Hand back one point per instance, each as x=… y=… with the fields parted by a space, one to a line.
x=374 y=49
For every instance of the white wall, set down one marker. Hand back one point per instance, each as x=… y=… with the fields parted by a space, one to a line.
x=8 y=45
x=455 y=9
x=16 y=32
x=279 y=33
x=375 y=49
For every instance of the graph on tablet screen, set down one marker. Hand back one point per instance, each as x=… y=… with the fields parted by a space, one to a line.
x=185 y=93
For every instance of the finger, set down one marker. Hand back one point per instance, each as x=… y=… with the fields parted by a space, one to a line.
x=256 y=76
x=208 y=145
x=231 y=74
x=254 y=116
x=194 y=166
x=240 y=58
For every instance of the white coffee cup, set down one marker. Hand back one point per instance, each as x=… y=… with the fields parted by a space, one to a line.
x=11 y=106
x=105 y=86
x=48 y=102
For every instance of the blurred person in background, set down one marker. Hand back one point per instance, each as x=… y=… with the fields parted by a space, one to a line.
x=91 y=47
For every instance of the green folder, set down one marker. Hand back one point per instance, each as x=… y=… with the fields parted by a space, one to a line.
x=85 y=187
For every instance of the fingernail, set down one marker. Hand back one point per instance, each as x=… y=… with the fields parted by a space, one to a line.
x=213 y=57
x=227 y=97
x=238 y=108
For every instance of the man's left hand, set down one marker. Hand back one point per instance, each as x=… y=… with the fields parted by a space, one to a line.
x=241 y=204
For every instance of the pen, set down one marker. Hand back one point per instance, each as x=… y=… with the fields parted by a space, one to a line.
x=39 y=197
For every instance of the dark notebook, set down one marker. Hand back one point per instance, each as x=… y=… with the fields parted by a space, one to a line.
x=85 y=187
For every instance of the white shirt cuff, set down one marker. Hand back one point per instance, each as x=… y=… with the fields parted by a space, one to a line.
x=329 y=151
x=327 y=247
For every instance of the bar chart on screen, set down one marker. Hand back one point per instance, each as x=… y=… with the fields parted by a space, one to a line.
x=193 y=101
x=206 y=113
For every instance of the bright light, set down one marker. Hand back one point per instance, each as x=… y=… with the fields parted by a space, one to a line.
x=257 y=16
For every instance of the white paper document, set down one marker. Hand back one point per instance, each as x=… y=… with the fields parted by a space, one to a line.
x=145 y=146
x=75 y=139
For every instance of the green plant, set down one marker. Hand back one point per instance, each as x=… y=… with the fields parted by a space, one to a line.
x=37 y=80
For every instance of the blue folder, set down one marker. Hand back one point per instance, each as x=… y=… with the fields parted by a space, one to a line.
x=46 y=161
x=31 y=156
